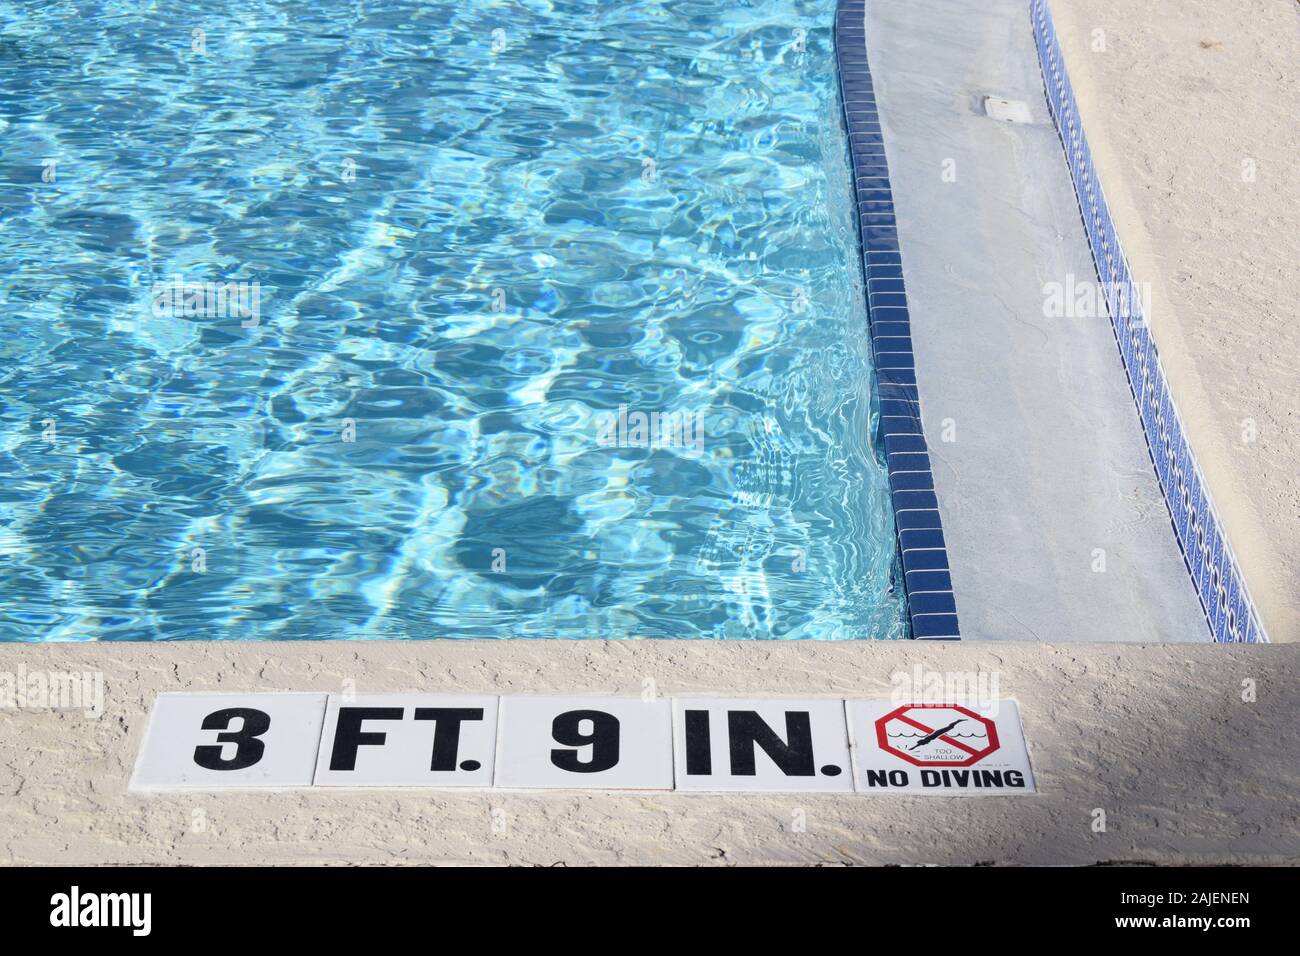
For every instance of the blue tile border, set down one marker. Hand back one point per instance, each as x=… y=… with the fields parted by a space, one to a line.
x=927 y=586
x=1229 y=611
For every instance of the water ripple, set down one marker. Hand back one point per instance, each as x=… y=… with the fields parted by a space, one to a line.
x=480 y=230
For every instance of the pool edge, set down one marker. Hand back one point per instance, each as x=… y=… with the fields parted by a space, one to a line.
x=918 y=528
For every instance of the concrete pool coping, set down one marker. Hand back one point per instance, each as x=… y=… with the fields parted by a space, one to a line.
x=1155 y=741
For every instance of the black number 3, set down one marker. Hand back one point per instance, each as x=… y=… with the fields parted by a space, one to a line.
x=248 y=749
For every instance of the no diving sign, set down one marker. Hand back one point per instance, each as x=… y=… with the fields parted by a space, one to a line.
x=939 y=748
x=937 y=735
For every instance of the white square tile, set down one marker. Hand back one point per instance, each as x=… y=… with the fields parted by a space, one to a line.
x=938 y=748
x=225 y=741
x=587 y=743
x=771 y=745
x=408 y=740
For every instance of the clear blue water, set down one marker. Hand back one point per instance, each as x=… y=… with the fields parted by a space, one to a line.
x=477 y=230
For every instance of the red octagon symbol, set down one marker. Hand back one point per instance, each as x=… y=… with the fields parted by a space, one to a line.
x=911 y=722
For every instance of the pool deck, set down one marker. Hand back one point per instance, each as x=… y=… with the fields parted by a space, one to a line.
x=1157 y=737
x=1055 y=523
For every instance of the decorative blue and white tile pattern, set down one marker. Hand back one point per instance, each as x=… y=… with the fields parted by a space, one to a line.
x=931 y=607
x=1231 y=614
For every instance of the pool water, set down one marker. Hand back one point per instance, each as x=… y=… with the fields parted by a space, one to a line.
x=551 y=324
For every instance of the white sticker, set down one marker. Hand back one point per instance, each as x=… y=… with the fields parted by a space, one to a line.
x=225 y=741
x=762 y=745
x=585 y=743
x=408 y=740
x=938 y=748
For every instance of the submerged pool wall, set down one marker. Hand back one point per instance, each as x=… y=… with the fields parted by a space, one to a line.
x=1229 y=610
x=927 y=584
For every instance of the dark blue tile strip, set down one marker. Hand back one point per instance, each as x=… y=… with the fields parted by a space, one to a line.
x=1229 y=611
x=931 y=607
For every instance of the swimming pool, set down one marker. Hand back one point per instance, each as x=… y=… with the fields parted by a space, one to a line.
x=449 y=319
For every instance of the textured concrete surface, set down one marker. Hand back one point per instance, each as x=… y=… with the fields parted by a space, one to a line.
x=1158 y=737
x=1055 y=523
x=1177 y=98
